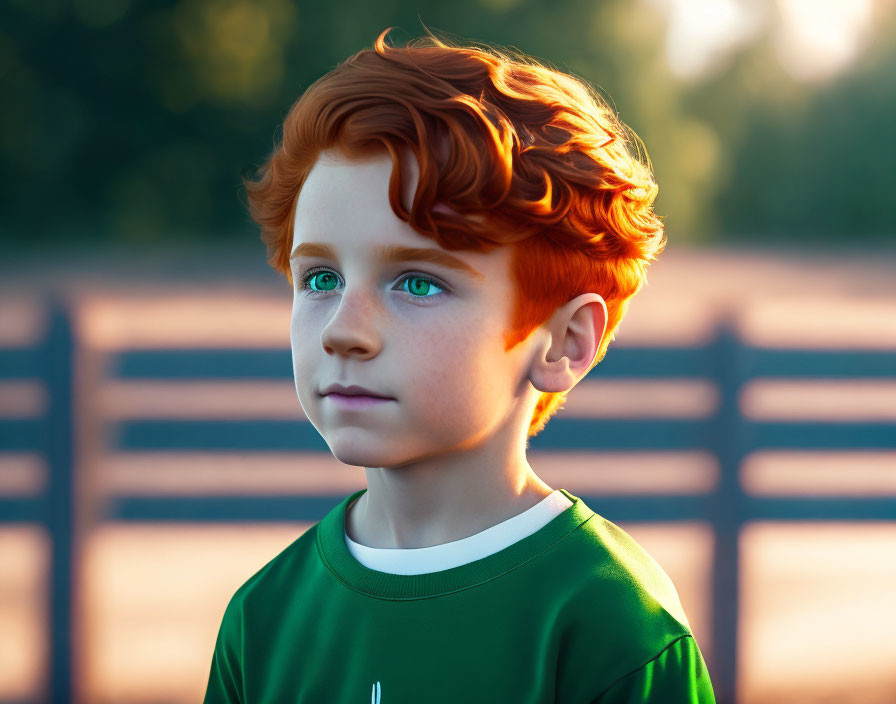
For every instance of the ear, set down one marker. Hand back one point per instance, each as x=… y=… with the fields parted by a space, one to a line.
x=574 y=335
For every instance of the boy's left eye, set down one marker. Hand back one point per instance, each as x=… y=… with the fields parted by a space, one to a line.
x=417 y=291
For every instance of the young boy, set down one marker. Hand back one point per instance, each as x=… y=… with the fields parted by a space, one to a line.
x=464 y=233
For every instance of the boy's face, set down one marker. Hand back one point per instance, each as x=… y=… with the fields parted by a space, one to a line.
x=435 y=347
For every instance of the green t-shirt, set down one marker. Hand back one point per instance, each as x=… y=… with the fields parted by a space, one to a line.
x=575 y=613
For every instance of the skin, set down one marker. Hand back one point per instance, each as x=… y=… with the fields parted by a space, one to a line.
x=446 y=459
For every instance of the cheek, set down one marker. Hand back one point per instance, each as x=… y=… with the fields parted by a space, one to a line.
x=301 y=337
x=303 y=328
x=457 y=373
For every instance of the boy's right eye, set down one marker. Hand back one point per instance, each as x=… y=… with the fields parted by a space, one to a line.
x=307 y=276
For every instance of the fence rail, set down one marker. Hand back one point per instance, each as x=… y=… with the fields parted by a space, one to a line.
x=727 y=360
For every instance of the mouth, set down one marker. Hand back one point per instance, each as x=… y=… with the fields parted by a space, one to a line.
x=359 y=401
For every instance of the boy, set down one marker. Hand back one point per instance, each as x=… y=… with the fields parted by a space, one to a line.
x=464 y=234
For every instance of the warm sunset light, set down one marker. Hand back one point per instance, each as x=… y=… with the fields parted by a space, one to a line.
x=700 y=32
x=818 y=38
x=814 y=39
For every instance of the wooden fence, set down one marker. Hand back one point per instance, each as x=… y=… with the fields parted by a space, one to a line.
x=726 y=361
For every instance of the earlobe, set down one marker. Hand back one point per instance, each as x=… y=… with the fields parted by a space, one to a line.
x=550 y=370
x=553 y=376
x=574 y=337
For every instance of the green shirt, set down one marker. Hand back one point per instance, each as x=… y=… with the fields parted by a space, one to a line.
x=575 y=613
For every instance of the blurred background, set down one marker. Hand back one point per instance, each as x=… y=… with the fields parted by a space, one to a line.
x=742 y=428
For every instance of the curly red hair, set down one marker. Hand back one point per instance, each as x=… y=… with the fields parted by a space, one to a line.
x=525 y=155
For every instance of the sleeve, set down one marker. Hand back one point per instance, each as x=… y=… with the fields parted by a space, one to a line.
x=225 y=680
x=678 y=675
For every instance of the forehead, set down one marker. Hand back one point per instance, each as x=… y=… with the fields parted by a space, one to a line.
x=341 y=194
x=343 y=208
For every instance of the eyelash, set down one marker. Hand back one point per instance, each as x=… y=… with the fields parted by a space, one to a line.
x=306 y=277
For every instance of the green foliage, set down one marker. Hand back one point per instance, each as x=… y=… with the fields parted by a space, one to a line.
x=132 y=122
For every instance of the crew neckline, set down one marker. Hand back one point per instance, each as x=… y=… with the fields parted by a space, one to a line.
x=335 y=554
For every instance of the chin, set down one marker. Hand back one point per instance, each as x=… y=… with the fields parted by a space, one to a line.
x=358 y=456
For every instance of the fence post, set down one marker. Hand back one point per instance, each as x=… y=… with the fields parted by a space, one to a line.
x=728 y=508
x=57 y=363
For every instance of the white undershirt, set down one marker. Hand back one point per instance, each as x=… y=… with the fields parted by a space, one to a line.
x=460 y=552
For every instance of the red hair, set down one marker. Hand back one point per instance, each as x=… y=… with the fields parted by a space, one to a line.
x=537 y=161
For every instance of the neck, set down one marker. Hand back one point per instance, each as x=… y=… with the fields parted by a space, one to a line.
x=398 y=511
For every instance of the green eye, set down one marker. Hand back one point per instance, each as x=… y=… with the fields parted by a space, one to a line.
x=313 y=275
x=425 y=284
x=421 y=286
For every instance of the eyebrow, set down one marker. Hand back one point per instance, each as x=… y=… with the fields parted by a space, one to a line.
x=391 y=253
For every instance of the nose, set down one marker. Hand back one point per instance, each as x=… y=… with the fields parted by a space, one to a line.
x=353 y=327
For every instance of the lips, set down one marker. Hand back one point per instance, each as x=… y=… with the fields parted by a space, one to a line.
x=353 y=390
x=355 y=402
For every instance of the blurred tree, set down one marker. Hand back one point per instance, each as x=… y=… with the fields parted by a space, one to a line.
x=805 y=163
x=130 y=122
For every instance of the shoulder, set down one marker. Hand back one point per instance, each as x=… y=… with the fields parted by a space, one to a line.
x=676 y=674
x=270 y=583
x=624 y=564
x=612 y=564
x=620 y=608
